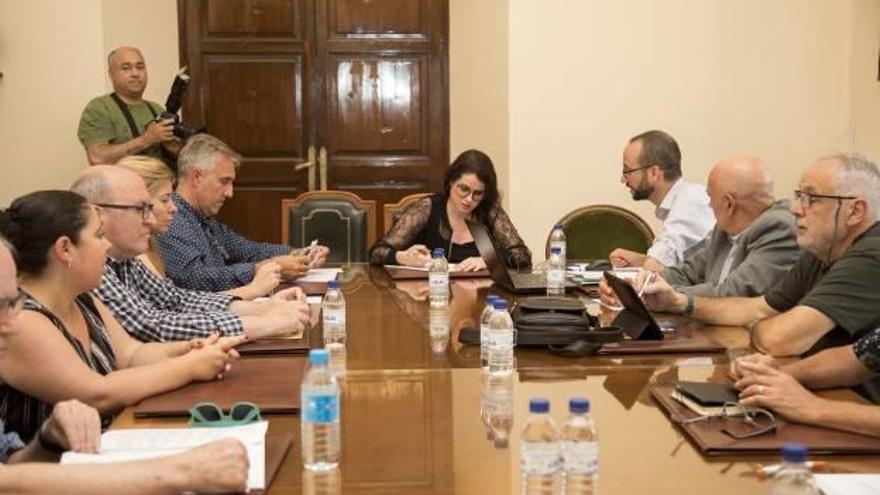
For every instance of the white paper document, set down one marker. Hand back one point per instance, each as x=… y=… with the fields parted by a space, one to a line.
x=848 y=484
x=147 y=443
x=320 y=275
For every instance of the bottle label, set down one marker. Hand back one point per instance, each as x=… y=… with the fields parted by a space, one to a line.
x=438 y=280
x=499 y=340
x=334 y=317
x=556 y=277
x=540 y=458
x=581 y=457
x=320 y=408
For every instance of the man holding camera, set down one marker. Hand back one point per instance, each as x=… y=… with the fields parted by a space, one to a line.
x=124 y=123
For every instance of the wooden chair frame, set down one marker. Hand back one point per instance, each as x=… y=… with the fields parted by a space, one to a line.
x=389 y=209
x=368 y=205
x=634 y=218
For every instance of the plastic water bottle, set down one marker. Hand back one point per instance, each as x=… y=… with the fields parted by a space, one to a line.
x=320 y=414
x=580 y=449
x=438 y=278
x=540 y=456
x=438 y=329
x=795 y=477
x=499 y=403
x=484 y=330
x=556 y=274
x=501 y=340
x=333 y=314
x=557 y=239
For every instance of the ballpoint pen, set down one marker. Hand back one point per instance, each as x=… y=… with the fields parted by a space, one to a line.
x=648 y=280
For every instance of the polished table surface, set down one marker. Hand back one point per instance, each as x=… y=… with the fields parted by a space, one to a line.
x=419 y=417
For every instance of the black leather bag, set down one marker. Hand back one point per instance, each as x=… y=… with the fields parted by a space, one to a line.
x=562 y=325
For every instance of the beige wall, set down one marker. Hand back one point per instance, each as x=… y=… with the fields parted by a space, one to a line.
x=53 y=66
x=865 y=97
x=727 y=76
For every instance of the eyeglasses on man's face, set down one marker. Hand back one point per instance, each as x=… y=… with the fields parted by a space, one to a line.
x=10 y=307
x=145 y=209
x=807 y=199
x=464 y=191
x=625 y=171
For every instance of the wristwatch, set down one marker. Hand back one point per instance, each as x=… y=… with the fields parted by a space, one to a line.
x=689 y=307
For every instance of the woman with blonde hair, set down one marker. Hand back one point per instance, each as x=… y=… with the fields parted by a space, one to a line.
x=160 y=184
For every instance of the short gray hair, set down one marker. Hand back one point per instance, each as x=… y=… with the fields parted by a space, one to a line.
x=94 y=186
x=858 y=176
x=199 y=154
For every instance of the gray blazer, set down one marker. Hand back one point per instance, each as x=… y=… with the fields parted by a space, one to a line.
x=767 y=249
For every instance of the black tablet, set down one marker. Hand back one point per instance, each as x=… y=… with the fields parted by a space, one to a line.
x=635 y=319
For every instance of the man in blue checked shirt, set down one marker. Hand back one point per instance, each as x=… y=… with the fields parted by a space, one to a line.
x=152 y=308
x=199 y=251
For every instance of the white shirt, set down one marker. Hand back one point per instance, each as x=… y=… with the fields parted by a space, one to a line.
x=687 y=222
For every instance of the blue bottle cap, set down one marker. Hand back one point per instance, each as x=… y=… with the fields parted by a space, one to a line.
x=579 y=405
x=794 y=452
x=500 y=304
x=439 y=252
x=556 y=250
x=491 y=298
x=333 y=284
x=558 y=225
x=318 y=356
x=539 y=405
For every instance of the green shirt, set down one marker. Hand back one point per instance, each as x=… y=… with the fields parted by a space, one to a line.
x=103 y=122
x=846 y=292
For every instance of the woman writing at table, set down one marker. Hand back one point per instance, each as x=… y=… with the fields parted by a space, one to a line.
x=160 y=183
x=66 y=344
x=470 y=193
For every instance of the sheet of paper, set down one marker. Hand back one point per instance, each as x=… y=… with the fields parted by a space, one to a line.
x=452 y=267
x=314 y=299
x=146 y=443
x=848 y=484
x=320 y=275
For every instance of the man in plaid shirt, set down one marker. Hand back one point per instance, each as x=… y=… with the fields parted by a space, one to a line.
x=152 y=308
x=199 y=251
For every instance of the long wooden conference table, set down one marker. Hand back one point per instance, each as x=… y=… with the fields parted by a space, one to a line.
x=419 y=417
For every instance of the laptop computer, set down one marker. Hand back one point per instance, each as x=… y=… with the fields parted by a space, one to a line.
x=517 y=283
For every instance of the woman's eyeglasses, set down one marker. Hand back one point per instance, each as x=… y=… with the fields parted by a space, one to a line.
x=10 y=307
x=744 y=422
x=211 y=415
x=465 y=191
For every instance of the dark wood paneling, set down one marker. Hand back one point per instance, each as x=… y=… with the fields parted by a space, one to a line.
x=383 y=17
x=251 y=17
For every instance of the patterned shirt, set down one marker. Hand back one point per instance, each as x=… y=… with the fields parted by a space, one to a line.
x=867 y=350
x=9 y=443
x=687 y=222
x=153 y=309
x=202 y=253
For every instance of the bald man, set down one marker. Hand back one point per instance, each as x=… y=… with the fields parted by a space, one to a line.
x=123 y=123
x=753 y=243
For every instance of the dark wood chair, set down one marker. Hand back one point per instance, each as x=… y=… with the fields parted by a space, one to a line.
x=340 y=220
x=592 y=232
x=392 y=211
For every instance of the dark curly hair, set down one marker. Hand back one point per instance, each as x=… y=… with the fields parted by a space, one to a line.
x=33 y=223
x=478 y=163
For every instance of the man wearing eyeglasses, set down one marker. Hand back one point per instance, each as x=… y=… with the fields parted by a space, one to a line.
x=829 y=297
x=652 y=171
x=153 y=309
x=218 y=467
x=202 y=253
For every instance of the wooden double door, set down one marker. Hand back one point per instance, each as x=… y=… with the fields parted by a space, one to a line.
x=352 y=92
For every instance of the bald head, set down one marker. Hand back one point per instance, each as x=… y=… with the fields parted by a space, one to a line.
x=128 y=73
x=122 y=53
x=740 y=189
x=107 y=184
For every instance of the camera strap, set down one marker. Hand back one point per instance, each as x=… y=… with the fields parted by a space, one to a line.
x=127 y=114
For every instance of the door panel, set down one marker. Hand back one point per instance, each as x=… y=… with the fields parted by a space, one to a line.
x=252 y=17
x=382 y=18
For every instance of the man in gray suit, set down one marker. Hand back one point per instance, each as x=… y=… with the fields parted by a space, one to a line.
x=753 y=243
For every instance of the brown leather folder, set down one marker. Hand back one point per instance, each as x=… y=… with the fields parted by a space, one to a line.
x=275 y=346
x=684 y=340
x=277 y=446
x=398 y=273
x=707 y=436
x=271 y=383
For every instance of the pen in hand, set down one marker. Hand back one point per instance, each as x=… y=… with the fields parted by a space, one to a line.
x=648 y=280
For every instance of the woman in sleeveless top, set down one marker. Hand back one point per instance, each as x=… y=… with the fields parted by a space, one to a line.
x=470 y=193
x=67 y=344
x=160 y=184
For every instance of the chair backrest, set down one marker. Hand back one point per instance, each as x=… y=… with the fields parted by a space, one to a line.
x=392 y=211
x=340 y=220
x=592 y=232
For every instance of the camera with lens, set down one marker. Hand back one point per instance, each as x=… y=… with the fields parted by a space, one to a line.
x=172 y=107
